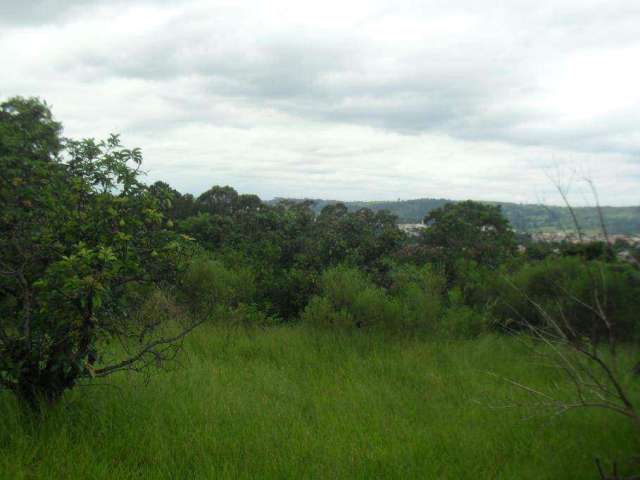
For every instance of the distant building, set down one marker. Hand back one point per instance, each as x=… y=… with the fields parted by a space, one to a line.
x=412 y=229
x=627 y=256
x=572 y=237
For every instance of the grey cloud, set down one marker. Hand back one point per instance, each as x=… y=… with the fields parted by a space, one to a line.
x=469 y=91
x=21 y=13
x=30 y=13
x=223 y=66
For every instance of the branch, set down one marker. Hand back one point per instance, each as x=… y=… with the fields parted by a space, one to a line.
x=149 y=349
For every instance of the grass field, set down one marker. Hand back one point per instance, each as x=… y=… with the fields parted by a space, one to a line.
x=292 y=403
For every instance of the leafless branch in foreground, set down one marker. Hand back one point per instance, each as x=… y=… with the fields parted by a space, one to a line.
x=590 y=364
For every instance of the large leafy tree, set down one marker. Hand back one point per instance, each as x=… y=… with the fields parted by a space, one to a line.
x=218 y=200
x=468 y=231
x=81 y=241
x=173 y=204
x=362 y=238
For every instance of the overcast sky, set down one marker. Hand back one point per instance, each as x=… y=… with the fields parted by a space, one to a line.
x=353 y=100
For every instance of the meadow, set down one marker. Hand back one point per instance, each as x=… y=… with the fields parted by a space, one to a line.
x=295 y=402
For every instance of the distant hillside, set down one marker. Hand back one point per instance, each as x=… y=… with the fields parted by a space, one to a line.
x=523 y=217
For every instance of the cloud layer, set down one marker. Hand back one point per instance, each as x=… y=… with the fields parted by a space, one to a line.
x=351 y=100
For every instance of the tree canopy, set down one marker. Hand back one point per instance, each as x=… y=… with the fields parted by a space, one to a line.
x=79 y=235
x=468 y=231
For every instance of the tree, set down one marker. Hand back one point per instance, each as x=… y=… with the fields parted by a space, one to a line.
x=468 y=231
x=82 y=243
x=362 y=238
x=218 y=200
x=27 y=128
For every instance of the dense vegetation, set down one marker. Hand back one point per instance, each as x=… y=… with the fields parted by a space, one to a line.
x=82 y=242
x=329 y=343
x=527 y=218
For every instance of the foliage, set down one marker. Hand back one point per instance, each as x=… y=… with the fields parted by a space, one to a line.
x=76 y=238
x=360 y=238
x=207 y=283
x=478 y=286
x=470 y=231
x=249 y=316
x=94 y=280
x=565 y=288
x=461 y=320
x=287 y=245
x=523 y=217
x=349 y=299
x=588 y=251
x=420 y=292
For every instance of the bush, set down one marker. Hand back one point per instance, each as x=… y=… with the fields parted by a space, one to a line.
x=565 y=288
x=208 y=284
x=462 y=321
x=419 y=291
x=372 y=307
x=349 y=299
x=425 y=277
x=478 y=286
x=320 y=312
x=285 y=292
x=249 y=316
x=342 y=284
x=159 y=306
x=78 y=230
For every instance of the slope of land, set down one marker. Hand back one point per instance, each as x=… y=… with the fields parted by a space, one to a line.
x=524 y=217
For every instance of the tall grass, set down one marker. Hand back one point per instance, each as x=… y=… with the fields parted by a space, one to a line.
x=292 y=402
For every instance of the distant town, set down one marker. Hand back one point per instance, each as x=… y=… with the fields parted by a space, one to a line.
x=550 y=237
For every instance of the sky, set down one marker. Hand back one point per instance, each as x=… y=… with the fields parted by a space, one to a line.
x=350 y=100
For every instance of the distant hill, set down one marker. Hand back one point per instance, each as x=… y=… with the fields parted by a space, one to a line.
x=524 y=217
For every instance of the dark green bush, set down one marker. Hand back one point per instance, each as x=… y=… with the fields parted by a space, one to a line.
x=285 y=292
x=419 y=291
x=248 y=316
x=569 y=289
x=349 y=299
x=461 y=320
x=320 y=312
x=208 y=284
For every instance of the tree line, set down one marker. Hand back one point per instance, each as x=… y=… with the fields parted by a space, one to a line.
x=524 y=218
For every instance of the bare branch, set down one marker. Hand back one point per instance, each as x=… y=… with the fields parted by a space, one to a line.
x=149 y=349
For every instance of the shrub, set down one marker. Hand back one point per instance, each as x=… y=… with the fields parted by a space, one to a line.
x=372 y=307
x=208 y=284
x=419 y=292
x=249 y=316
x=320 y=312
x=478 y=286
x=426 y=278
x=159 y=306
x=342 y=284
x=565 y=288
x=78 y=231
x=349 y=299
x=285 y=292
x=462 y=321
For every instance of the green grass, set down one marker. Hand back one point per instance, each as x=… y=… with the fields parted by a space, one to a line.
x=292 y=403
